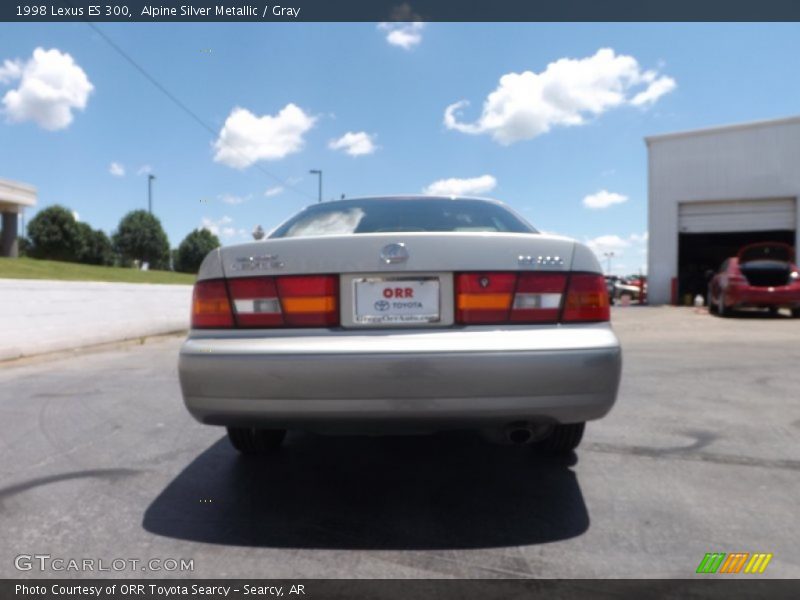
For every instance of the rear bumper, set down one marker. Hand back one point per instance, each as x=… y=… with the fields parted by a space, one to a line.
x=782 y=296
x=423 y=378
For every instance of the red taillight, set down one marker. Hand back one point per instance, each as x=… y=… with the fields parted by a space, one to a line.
x=309 y=301
x=587 y=299
x=291 y=301
x=256 y=302
x=528 y=297
x=210 y=305
x=538 y=297
x=484 y=297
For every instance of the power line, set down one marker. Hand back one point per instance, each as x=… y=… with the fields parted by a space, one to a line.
x=175 y=100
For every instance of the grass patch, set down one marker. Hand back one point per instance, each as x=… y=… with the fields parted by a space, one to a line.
x=31 y=268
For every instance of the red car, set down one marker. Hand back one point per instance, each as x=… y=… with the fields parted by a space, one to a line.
x=761 y=276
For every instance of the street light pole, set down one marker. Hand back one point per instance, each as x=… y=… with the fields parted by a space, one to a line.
x=318 y=172
x=608 y=256
x=150 y=178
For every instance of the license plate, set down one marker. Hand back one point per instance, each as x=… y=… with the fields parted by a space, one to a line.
x=396 y=301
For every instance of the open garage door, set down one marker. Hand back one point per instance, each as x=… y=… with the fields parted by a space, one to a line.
x=737 y=215
x=710 y=232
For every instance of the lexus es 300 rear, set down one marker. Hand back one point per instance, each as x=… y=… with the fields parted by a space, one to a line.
x=401 y=314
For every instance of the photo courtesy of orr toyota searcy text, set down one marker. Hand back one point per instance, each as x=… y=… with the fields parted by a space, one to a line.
x=161 y=591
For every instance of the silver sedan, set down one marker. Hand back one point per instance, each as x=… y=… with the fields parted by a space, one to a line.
x=402 y=314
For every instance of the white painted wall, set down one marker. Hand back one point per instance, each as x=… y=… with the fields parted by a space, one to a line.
x=742 y=162
x=38 y=316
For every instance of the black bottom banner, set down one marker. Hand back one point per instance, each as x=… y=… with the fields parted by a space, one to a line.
x=394 y=589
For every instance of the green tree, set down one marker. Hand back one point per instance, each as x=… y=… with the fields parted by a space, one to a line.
x=96 y=249
x=193 y=250
x=55 y=234
x=141 y=237
x=24 y=246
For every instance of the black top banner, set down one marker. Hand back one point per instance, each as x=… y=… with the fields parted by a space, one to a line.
x=38 y=11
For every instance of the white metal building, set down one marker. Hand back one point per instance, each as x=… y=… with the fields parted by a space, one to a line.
x=712 y=191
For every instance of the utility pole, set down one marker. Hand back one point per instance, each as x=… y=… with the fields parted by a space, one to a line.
x=318 y=172
x=608 y=256
x=150 y=178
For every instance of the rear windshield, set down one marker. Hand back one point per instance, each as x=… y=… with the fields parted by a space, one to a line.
x=412 y=214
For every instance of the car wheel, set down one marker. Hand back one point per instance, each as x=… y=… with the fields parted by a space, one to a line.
x=250 y=441
x=773 y=311
x=710 y=303
x=722 y=310
x=796 y=313
x=563 y=439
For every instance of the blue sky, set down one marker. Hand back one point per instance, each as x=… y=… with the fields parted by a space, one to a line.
x=565 y=122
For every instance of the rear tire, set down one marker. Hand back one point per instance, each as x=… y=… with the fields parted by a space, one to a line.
x=710 y=303
x=251 y=441
x=722 y=310
x=563 y=439
x=773 y=311
x=796 y=313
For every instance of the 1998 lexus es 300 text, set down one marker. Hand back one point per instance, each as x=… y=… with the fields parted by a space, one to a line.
x=401 y=314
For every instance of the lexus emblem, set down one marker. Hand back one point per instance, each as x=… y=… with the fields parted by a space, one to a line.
x=393 y=254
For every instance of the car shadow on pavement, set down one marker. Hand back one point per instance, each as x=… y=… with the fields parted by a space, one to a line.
x=759 y=314
x=451 y=491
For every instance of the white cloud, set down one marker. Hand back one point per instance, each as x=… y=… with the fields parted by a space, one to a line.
x=75 y=215
x=51 y=86
x=246 y=138
x=10 y=70
x=354 y=144
x=608 y=243
x=116 y=169
x=566 y=93
x=404 y=35
x=144 y=170
x=233 y=199
x=223 y=228
x=217 y=227
x=654 y=91
x=603 y=199
x=273 y=191
x=638 y=238
x=634 y=246
x=461 y=187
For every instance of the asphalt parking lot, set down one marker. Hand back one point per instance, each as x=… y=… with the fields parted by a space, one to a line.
x=701 y=454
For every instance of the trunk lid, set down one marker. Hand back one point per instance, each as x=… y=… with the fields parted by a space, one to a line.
x=767 y=264
x=399 y=252
x=771 y=251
